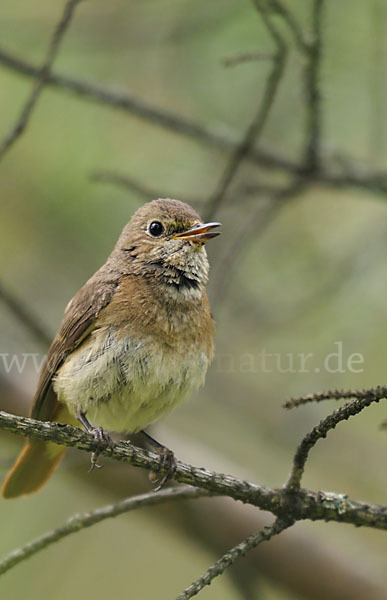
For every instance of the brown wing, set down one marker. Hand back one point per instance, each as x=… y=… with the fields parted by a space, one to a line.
x=77 y=324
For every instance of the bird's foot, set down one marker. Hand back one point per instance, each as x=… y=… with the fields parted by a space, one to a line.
x=102 y=439
x=167 y=463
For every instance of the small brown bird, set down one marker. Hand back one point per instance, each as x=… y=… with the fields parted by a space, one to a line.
x=134 y=341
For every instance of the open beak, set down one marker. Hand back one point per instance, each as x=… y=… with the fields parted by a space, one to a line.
x=198 y=233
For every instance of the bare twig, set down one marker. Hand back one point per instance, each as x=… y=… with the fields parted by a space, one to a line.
x=259 y=120
x=351 y=408
x=42 y=76
x=19 y=309
x=377 y=393
x=303 y=504
x=232 y=555
x=313 y=95
x=312 y=52
x=81 y=521
x=371 y=182
x=232 y=61
x=291 y=22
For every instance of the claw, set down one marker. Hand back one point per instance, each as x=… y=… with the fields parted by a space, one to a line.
x=167 y=464
x=93 y=462
x=101 y=438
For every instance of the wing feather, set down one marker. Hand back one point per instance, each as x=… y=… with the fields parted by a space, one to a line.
x=77 y=324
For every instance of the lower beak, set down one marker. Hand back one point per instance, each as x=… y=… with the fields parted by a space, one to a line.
x=198 y=233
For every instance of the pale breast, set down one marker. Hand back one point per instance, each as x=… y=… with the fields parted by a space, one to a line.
x=126 y=383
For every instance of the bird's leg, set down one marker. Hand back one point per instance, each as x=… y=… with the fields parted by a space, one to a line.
x=167 y=461
x=101 y=438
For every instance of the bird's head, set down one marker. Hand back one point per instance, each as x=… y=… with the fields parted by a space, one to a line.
x=165 y=240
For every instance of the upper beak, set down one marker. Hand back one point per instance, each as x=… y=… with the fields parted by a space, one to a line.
x=198 y=233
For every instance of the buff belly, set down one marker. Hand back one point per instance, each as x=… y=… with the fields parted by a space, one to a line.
x=123 y=383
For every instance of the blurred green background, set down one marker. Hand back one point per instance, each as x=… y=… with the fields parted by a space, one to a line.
x=314 y=276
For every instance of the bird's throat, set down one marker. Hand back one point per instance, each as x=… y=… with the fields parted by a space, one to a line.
x=180 y=287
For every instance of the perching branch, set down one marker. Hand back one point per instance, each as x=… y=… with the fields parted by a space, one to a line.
x=288 y=504
x=303 y=504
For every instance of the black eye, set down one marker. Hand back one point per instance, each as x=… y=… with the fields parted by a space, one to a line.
x=156 y=228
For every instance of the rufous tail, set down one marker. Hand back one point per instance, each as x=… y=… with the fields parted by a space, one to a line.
x=32 y=469
x=35 y=464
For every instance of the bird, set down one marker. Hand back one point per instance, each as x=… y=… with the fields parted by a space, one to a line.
x=135 y=340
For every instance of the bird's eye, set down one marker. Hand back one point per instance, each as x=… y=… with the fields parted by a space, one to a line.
x=156 y=228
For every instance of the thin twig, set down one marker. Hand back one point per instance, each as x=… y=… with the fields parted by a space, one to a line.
x=304 y=504
x=232 y=555
x=371 y=182
x=292 y=23
x=351 y=408
x=23 y=314
x=42 y=76
x=232 y=61
x=81 y=521
x=312 y=51
x=257 y=124
x=378 y=393
x=313 y=94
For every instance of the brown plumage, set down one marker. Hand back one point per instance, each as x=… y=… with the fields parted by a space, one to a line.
x=134 y=341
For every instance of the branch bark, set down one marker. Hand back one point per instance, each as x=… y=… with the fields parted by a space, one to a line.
x=302 y=504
